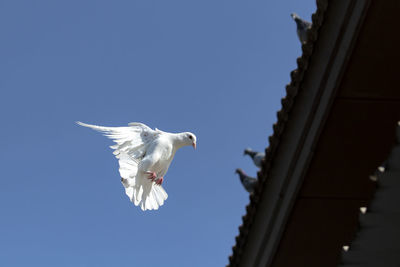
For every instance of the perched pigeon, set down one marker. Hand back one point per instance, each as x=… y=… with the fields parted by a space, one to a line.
x=302 y=27
x=144 y=156
x=249 y=183
x=256 y=156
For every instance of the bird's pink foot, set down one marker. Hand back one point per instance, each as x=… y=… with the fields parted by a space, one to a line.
x=151 y=175
x=159 y=181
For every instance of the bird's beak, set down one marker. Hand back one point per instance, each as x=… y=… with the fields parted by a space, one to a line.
x=194 y=145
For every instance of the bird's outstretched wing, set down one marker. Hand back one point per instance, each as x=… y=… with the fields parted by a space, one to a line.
x=131 y=140
x=131 y=146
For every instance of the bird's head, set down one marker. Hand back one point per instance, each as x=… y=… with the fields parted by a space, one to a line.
x=294 y=16
x=239 y=171
x=190 y=139
x=247 y=151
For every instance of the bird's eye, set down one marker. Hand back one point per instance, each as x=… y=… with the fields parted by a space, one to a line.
x=190 y=137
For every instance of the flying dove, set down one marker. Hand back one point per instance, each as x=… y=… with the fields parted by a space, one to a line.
x=144 y=156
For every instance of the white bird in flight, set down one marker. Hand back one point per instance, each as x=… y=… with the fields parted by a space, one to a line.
x=144 y=156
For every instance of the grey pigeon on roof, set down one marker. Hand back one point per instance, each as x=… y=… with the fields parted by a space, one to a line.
x=257 y=157
x=302 y=27
x=249 y=183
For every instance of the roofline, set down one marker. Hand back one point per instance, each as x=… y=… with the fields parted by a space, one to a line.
x=310 y=97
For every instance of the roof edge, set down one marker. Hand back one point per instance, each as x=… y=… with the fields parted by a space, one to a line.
x=304 y=111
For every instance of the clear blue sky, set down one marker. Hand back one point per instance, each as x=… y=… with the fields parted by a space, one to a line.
x=215 y=68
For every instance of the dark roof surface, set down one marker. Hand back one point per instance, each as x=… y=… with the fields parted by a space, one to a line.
x=377 y=242
x=282 y=117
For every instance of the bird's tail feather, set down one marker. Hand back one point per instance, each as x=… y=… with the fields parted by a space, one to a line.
x=145 y=193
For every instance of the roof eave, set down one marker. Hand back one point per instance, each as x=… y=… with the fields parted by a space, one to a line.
x=304 y=111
